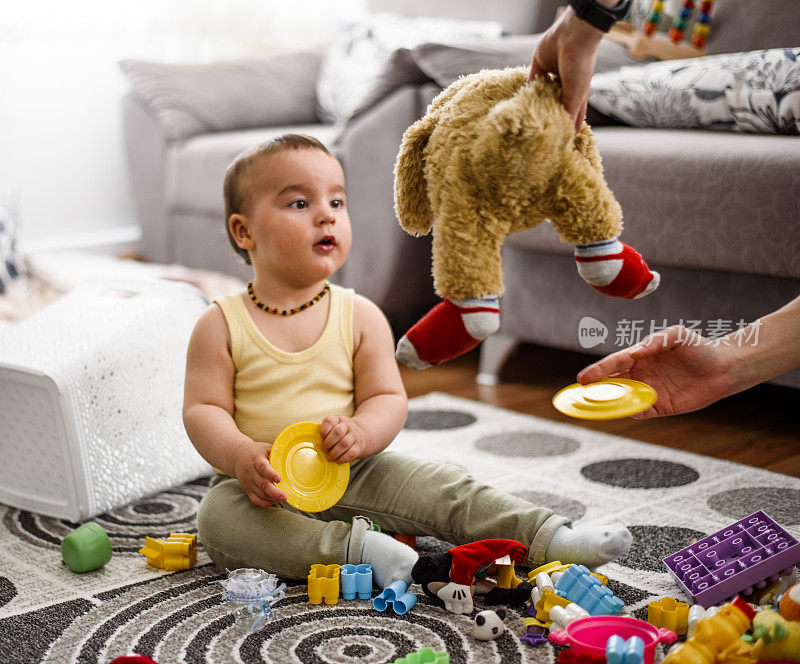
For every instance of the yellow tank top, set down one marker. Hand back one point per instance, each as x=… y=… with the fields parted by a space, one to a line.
x=274 y=388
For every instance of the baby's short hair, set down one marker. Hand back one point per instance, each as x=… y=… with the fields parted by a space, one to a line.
x=238 y=177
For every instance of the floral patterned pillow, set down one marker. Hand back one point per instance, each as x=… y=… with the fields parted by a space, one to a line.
x=13 y=276
x=755 y=92
x=355 y=60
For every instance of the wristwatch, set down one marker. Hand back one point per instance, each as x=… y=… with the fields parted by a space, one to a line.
x=599 y=16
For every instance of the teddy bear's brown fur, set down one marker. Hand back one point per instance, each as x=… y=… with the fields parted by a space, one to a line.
x=495 y=155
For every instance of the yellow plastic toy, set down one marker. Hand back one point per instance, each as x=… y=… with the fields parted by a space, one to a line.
x=311 y=482
x=178 y=551
x=548 y=600
x=717 y=639
x=605 y=400
x=323 y=583
x=670 y=614
x=775 y=637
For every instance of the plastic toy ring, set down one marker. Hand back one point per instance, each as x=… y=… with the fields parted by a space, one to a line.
x=605 y=400
x=311 y=482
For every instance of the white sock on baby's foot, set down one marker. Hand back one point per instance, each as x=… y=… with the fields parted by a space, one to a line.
x=391 y=560
x=589 y=545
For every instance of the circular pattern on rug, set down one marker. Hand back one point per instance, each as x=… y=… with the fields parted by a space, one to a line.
x=186 y=619
x=173 y=511
x=152 y=507
x=567 y=507
x=527 y=444
x=652 y=543
x=780 y=504
x=640 y=473
x=438 y=420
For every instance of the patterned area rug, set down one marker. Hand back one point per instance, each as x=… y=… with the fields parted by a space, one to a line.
x=667 y=498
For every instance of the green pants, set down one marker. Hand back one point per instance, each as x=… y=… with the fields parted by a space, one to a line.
x=399 y=493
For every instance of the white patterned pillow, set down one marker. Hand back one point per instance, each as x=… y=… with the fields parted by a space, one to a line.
x=756 y=92
x=355 y=59
x=13 y=276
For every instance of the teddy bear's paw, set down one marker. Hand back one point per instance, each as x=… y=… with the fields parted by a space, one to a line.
x=407 y=354
x=654 y=282
x=613 y=268
x=448 y=330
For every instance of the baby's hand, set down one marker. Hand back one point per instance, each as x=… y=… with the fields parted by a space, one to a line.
x=256 y=477
x=342 y=438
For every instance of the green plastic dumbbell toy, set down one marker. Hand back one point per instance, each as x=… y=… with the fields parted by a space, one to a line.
x=86 y=548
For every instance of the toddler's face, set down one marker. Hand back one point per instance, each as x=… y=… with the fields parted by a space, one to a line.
x=299 y=220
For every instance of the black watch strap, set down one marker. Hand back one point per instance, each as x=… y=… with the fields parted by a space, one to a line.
x=599 y=16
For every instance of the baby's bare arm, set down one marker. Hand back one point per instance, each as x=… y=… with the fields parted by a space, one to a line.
x=380 y=397
x=208 y=412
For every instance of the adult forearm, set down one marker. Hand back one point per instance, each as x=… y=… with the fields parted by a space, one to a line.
x=381 y=418
x=766 y=348
x=214 y=435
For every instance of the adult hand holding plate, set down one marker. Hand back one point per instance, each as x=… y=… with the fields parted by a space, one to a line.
x=607 y=399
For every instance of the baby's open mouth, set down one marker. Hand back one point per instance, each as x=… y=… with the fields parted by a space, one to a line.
x=327 y=241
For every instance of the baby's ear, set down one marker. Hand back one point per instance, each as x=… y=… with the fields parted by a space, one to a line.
x=240 y=231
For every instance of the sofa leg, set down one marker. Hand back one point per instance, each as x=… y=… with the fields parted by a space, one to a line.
x=495 y=350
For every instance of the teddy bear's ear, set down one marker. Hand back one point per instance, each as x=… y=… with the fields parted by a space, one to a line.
x=410 y=192
x=509 y=117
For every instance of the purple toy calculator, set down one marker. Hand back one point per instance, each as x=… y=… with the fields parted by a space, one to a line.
x=734 y=560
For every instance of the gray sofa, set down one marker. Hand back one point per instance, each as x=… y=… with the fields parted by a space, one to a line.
x=716 y=213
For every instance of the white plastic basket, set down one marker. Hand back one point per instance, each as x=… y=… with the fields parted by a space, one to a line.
x=91 y=391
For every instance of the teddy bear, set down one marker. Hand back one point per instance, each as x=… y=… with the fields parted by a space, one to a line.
x=493 y=155
x=449 y=578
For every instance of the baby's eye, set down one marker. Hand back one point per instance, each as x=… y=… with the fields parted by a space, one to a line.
x=299 y=204
x=337 y=203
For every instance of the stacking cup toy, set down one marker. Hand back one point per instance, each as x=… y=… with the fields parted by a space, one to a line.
x=357 y=581
x=396 y=595
x=86 y=548
x=590 y=635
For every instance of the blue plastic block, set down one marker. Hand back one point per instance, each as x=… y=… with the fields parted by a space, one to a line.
x=578 y=585
x=356 y=581
x=396 y=595
x=620 y=651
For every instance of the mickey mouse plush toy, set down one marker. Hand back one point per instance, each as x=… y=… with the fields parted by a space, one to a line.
x=449 y=578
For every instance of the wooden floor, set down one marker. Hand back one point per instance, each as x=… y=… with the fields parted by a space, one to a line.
x=758 y=427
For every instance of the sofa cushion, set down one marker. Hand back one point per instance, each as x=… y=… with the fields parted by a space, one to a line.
x=444 y=63
x=742 y=25
x=196 y=167
x=700 y=199
x=755 y=91
x=189 y=99
x=13 y=275
x=516 y=17
x=357 y=55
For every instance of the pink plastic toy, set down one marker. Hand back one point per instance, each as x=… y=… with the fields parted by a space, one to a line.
x=590 y=635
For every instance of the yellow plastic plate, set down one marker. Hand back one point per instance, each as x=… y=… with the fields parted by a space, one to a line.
x=605 y=400
x=311 y=482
